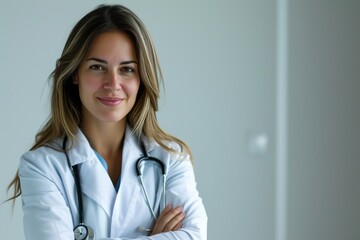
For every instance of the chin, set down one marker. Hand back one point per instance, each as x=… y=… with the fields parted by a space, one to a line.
x=113 y=118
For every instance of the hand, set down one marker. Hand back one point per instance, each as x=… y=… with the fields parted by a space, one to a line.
x=169 y=220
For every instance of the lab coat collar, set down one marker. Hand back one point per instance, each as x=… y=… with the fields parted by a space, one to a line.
x=81 y=150
x=135 y=143
x=133 y=150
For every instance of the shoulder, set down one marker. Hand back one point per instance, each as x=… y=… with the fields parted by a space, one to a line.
x=174 y=151
x=43 y=170
x=175 y=160
x=43 y=160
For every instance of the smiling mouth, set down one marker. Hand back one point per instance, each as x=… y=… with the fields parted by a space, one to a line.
x=110 y=101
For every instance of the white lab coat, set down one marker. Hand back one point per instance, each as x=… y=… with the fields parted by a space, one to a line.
x=50 y=202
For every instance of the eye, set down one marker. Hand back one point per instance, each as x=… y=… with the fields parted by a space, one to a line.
x=127 y=69
x=97 y=67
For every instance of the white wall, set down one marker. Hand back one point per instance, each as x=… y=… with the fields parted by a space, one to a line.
x=219 y=65
x=324 y=120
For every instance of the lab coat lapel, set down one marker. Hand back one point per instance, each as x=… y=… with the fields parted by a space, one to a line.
x=97 y=184
x=129 y=187
x=95 y=181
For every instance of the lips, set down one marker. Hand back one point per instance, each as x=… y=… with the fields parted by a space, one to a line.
x=110 y=101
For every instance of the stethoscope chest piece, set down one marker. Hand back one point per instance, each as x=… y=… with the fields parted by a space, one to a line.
x=82 y=232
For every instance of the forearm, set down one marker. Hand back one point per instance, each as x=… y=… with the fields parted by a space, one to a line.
x=183 y=234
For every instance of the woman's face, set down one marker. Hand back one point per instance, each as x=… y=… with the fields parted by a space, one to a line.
x=108 y=78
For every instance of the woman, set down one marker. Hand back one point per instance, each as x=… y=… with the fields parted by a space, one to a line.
x=104 y=99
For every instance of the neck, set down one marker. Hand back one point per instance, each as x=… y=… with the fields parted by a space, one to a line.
x=105 y=138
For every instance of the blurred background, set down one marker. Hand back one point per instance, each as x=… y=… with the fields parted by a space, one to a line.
x=266 y=92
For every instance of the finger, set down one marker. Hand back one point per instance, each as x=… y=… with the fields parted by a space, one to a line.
x=166 y=210
x=160 y=221
x=168 y=219
x=175 y=220
x=175 y=224
x=178 y=226
x=170 y=215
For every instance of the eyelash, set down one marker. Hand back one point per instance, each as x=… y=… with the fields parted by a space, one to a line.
x=126 y=69
x=97 y=67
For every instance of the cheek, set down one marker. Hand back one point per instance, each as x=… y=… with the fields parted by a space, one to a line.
x=88 y=84
x=133 y=88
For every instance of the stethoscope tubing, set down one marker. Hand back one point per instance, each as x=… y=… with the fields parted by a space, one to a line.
x=77 y=183
x=81 y=231
x=75 y=170
x=140 y=176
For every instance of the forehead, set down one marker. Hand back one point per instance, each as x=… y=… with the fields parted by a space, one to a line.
x=112 y=45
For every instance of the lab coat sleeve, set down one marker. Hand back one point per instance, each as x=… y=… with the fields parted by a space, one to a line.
x=46 y=215
x=181 y=191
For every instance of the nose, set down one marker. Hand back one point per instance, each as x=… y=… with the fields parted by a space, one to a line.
x=113 y=81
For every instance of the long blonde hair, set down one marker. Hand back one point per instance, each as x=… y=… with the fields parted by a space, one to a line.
x=66 y=107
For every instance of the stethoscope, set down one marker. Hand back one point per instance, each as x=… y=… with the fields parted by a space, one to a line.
x=84 y=232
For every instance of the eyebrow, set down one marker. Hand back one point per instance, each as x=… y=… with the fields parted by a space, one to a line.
x=105 y=62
